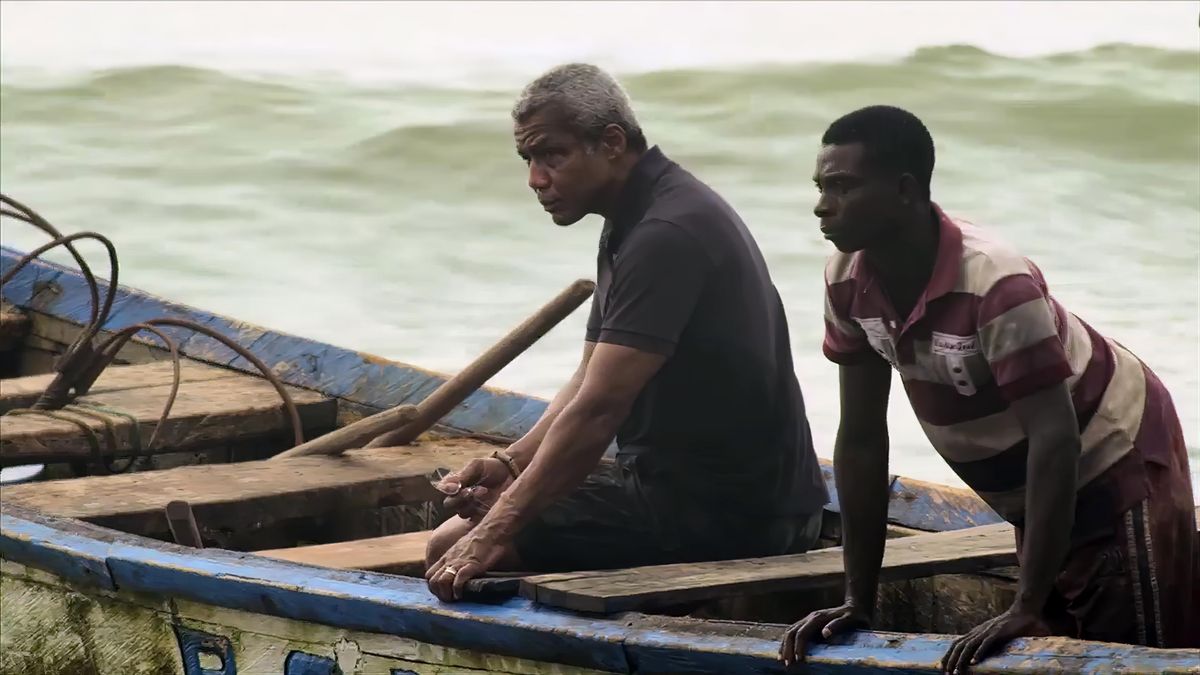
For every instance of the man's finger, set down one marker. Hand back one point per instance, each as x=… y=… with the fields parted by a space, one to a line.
x=467 y=503
x=845 y=621
x=964 y=648
x=968 y=654
x=990 y=643
x=472 y=473
x=435 y=568
x=786 y=651
x=448 y=487
x=459 y=503
x=811 y=629
x=950 y=660
x=442 y=585
x=465 y=574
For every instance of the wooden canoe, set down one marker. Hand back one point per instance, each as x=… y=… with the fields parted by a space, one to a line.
x=311 y=565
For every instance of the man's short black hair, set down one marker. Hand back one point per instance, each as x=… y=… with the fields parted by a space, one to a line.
x=893 y=139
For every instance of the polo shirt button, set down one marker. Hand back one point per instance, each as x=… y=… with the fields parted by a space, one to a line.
x=962 y=383
x=957 y=369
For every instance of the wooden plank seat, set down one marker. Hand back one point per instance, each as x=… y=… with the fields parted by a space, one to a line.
x=22 y=392
x=963 y=551
x=395 y=554
x=645 y=588
x=247 y=495
x=210 y=409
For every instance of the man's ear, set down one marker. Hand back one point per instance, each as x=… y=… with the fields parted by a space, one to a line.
x=910 y=189
x=613 y=141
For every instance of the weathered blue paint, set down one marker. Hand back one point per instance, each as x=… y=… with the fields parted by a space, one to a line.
x=926 y=506
x=193 y=643
x=301 y=663
x=78 y=559
x=667 y=651
x=61 y=292
x=627 y=643
x=923 y=506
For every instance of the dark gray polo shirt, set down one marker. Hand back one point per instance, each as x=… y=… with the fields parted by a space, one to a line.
x=723 y=421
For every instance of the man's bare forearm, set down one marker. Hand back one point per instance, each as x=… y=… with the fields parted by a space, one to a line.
x=861 y=472
x=524 y=449
x=1049 y=516
x=572 y=447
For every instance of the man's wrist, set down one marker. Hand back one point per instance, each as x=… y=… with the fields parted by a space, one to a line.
x=1028 y=603
x=510 y=463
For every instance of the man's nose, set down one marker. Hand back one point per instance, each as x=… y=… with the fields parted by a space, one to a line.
x=539 y=178
x=824 y=207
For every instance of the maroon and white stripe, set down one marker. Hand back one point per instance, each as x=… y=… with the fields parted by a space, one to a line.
x=990 y=334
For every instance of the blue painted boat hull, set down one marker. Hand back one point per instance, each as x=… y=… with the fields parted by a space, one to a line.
x=148 y=606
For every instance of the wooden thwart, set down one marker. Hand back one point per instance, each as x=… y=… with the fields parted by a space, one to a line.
x=397 y=554
x=22 y=392
x=251 y=494
x=207 y=412
x=956 y=552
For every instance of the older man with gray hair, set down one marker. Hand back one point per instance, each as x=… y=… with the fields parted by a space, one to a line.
x=686 y=363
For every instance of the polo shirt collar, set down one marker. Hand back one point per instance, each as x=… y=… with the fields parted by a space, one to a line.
x=638 y=191
x=946 y=267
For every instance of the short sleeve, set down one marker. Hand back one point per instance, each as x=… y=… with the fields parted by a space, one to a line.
x=593 y=321
x=845 y=342
x=1020 y=335
x=657 y=278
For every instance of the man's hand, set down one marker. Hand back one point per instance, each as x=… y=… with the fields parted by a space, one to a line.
x=470 y=557
x=472 y=490
x=827 y=622
x=986 y=638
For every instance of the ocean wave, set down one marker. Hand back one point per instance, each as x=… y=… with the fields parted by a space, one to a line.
x=1117 y=101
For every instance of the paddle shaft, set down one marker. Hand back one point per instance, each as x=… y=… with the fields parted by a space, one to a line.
x=353 y=435
x=402 y=424
x=462 y=385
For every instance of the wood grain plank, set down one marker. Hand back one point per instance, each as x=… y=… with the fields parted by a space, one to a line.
x=205 y=413
x=246 y=495
x=14 y=326
x=397 y=554
x=22 y=392
x=643 y=588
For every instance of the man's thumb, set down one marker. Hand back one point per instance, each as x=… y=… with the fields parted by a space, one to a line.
x=471 y=474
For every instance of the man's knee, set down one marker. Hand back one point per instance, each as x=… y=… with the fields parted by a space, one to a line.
x=444 y=537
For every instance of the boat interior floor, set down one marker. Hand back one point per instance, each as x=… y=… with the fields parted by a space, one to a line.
x=374 y=509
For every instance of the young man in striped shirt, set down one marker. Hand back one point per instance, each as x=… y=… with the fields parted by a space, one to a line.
x=1065 y=433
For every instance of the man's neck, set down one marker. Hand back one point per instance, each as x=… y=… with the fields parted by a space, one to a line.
x=905 y=262
x=610 y=202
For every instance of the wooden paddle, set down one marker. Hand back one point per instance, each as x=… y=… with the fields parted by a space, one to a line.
x=402 y=424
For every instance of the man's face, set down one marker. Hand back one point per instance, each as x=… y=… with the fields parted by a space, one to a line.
x=857 y=207
x=566 y=174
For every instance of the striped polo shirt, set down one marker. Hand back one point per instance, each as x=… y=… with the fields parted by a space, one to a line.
x=987 y=332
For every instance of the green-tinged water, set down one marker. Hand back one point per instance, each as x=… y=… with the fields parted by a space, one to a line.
x=395 y=219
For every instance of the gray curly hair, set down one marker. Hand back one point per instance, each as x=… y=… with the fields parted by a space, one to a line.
x=588 y=98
